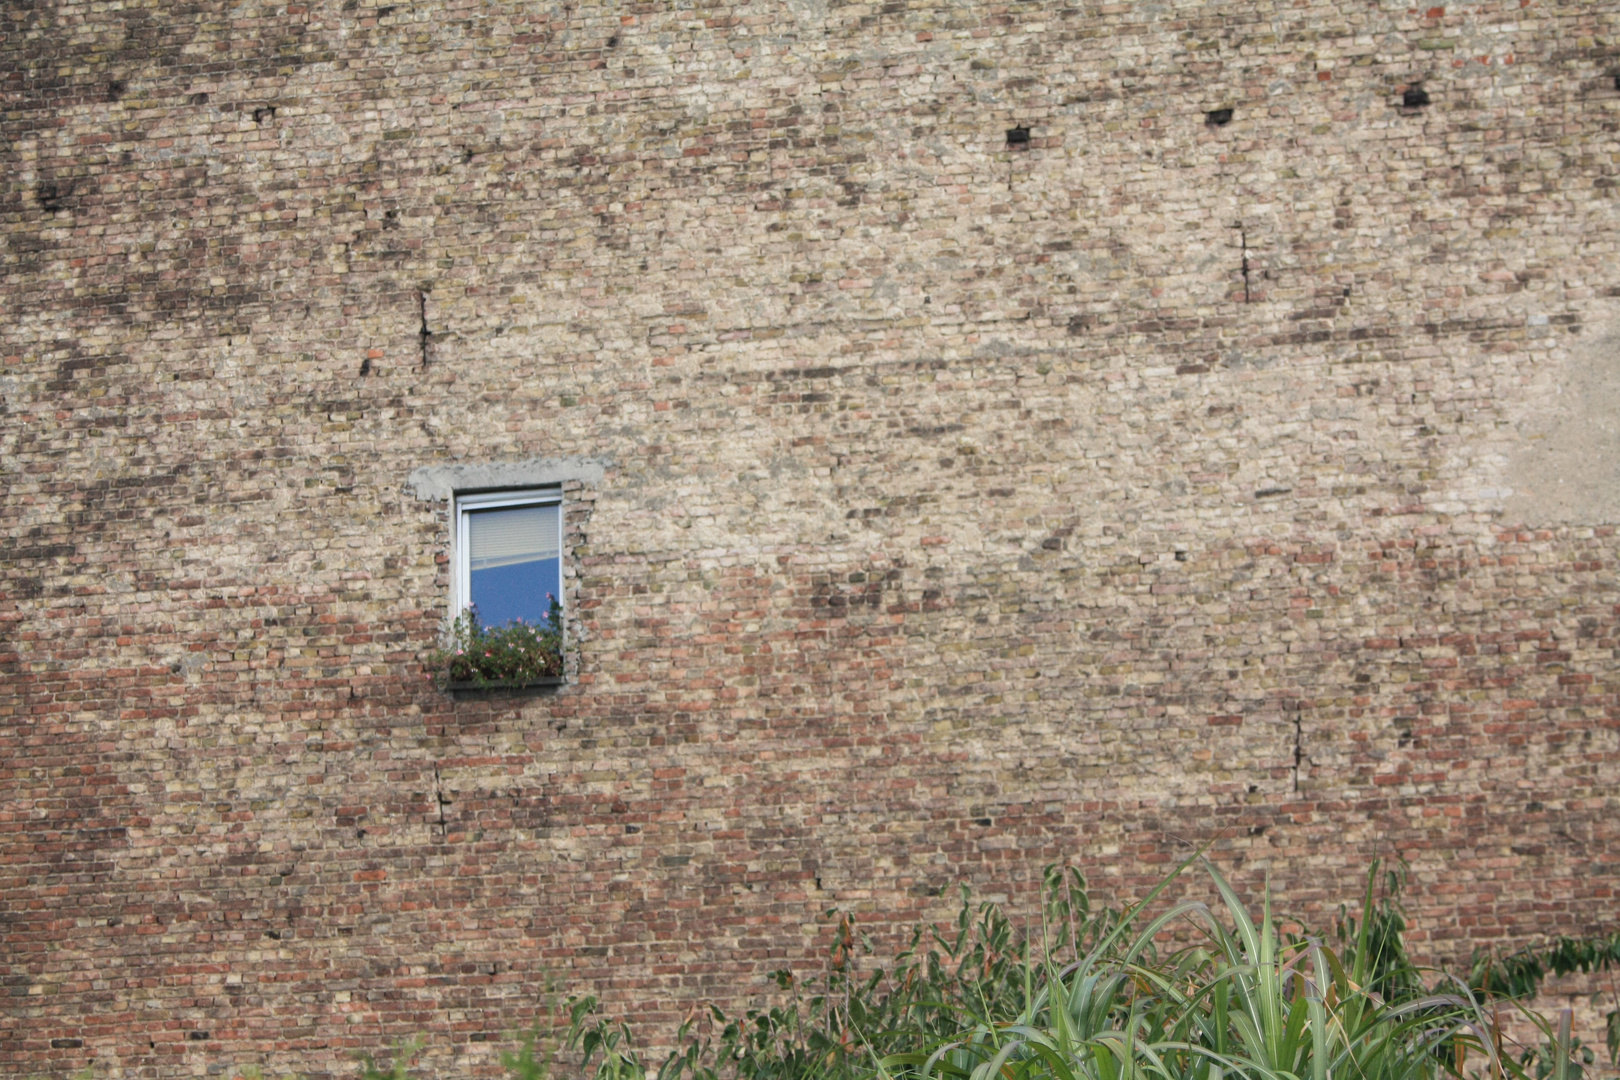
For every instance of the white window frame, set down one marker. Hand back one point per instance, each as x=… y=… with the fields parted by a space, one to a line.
x=491 y=500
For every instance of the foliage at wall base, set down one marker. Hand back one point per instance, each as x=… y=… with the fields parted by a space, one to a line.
x=1158 y=991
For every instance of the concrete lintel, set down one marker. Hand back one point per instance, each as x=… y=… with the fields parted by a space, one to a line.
x=442 y=481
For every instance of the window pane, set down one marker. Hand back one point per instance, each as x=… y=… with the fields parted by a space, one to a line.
x=513 y=562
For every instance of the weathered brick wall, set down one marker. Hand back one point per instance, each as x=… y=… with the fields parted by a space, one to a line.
x=966 y=508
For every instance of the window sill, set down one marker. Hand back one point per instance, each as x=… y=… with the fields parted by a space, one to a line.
x=474 y=691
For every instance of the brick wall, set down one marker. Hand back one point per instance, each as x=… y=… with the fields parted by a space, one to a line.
x=967 y=505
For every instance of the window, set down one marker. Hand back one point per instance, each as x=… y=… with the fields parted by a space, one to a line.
x=509 y=555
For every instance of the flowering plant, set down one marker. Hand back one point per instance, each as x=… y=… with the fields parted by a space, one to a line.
x=513 y=654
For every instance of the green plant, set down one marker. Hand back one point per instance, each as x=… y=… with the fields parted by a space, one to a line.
x=589 y=1034
x=1518 y=976
x=396 y=1069
x=531 y=1061
x=834 y=1024
x=515 y=653
x=1377 y=937
x=1238 y=1000
x=1157 y=991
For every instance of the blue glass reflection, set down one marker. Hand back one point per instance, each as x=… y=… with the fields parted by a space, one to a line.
x=506 y=594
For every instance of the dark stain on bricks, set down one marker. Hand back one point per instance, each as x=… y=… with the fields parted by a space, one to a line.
x=53 y=195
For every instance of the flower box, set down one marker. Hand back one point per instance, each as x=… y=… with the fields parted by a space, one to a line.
x=465 y=691
x=500 y=661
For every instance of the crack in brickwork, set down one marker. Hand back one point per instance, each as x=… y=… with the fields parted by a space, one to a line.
x=1299 y=750
x=1243 y=248
x=440 y=799
x=424 y=336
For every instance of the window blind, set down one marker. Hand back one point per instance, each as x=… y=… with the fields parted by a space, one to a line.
x=512 y=535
